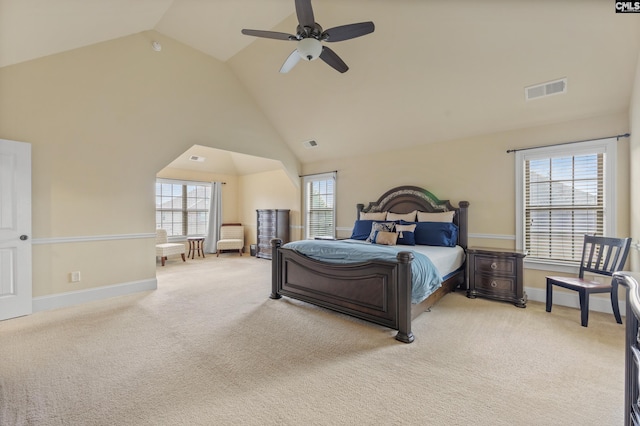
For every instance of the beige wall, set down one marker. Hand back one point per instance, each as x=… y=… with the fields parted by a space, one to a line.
x=103 y=121
x=475 y=169
x=268 y=190
x=634 y=173
x=230 y=189
x=243 y=195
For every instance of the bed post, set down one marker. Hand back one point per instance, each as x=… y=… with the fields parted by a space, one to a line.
x=463 y=224
x=404 y=297
x=275 y=267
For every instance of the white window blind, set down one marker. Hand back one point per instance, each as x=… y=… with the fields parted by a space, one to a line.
x=182 y=208
x=566 y=192
x=319 y=205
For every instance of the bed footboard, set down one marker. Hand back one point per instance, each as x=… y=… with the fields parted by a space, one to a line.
x=376 y=291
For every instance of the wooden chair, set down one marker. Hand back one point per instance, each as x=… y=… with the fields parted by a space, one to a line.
x=601 y=256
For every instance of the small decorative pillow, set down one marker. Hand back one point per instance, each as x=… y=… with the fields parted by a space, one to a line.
x=436 y=217
x=406 y=235
x=373 y=216
x=379 y=226
x=409 y=217
x=386 y=238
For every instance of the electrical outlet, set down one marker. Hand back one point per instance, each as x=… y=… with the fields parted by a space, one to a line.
x=75 y=276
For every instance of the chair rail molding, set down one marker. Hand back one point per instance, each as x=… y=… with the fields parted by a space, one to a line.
x=83 y=239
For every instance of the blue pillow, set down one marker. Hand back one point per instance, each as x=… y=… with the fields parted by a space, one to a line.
x=436 y=233
x=406 y=238
x=406 y=235
x=362 y=229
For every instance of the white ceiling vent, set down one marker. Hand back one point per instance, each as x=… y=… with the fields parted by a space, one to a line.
x=197 y=158
x=555 y=87
x=310 y=144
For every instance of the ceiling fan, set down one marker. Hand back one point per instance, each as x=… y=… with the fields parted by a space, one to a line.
x=309 y=35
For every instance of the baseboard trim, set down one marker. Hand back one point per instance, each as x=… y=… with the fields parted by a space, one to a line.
x=70 y=298
x=571 y=300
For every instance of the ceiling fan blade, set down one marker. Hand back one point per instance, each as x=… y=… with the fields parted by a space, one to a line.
x=269 y=34
x=305 y=13
x=331 y=58
x=291 y=62
x=346 y=32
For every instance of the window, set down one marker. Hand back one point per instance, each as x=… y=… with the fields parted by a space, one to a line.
x=182 y=208
x=319 y=205
x=563 y=193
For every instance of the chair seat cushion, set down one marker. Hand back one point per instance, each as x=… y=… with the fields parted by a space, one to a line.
x=573 y=282
x=167 y=249
x=230 y=244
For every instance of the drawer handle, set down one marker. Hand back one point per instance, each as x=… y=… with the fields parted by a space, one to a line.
x=494 y=265
x=494 y=284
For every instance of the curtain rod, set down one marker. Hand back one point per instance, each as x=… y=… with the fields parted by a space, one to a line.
x=315 y=174
x=626 y=135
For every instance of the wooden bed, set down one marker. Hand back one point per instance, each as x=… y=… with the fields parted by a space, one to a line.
x=376 y=291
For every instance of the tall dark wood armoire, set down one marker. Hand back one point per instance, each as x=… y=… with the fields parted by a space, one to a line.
x=272 y=223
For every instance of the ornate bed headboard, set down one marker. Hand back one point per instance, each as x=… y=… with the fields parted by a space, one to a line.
x=405 y=199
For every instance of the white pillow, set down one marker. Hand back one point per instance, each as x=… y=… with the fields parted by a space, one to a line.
x=373 y=216
x=409 y=228
x=436 y=217
x=407 y=217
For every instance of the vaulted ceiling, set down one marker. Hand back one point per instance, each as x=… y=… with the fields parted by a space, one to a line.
x=433 y=70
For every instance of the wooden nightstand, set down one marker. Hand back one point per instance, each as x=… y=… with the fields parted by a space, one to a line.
x=497 y=274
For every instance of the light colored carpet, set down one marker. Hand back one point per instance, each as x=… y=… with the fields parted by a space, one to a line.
x=210 y=348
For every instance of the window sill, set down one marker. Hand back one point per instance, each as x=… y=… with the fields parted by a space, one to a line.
x=177 y=239
x=548 y=265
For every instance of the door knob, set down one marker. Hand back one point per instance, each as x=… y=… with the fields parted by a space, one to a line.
x=24 y=237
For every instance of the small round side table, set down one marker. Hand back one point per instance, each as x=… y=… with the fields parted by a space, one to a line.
x=195 y=245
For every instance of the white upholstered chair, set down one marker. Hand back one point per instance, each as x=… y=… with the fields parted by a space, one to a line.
x=231 y=238
x=164 y=248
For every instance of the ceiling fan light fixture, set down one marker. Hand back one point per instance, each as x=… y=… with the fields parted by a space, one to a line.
x=309 y=49
x=309 y=35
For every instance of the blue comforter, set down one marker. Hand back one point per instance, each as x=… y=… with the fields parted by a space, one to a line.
x=424 y=276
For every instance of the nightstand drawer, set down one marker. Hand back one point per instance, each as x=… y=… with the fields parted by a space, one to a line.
x=495 y=284
x=496 y=273
x=493 y=264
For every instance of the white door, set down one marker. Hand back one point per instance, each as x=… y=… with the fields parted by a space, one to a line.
x=15 y=229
